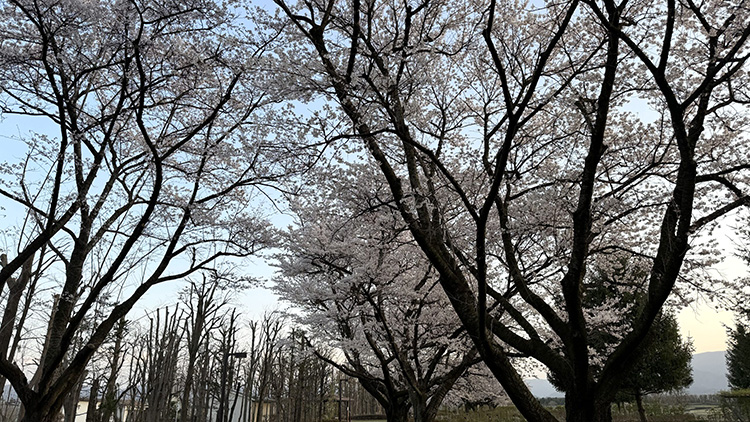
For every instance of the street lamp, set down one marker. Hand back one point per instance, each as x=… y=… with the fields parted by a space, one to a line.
x=224 y=364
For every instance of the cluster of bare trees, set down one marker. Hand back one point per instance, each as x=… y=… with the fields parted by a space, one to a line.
x=200 y=361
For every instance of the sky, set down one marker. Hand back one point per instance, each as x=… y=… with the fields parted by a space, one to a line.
x=705 y=323
x=706 y=326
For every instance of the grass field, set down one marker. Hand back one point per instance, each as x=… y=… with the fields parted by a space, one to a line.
x=702 y=411
x=658 y=409
x=655 y=412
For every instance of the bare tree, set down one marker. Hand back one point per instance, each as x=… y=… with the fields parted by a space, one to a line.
x=271 y=326
x=158 y=360
x=203 y=306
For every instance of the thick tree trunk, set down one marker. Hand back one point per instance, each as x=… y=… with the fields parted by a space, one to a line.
x=430 y=414
x=579 y=408
x=40 y=413
x=639 y=403
x=397 y=413
x=423 y=412
x=418 y=405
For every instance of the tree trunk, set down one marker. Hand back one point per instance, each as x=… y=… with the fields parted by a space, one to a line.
x=70 y=405
x=91 y=411
x=639 y=403
x=422 y=412
x=321 y=391
x=430 y=413
x=397 y=413
x=42 y=413
x=580 y=408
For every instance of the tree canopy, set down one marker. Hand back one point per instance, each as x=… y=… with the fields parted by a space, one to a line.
x=664 y=365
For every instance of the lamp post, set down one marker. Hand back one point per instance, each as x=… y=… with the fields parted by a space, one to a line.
x=224 y=365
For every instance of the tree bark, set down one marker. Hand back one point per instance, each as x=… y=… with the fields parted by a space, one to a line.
x=39 y=414
x=423 y=411
x=397 y=413
x=91 y=411
x=639 y=403
x=70 y=405
x=583 y=408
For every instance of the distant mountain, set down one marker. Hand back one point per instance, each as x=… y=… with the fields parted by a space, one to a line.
x=709 y=377
x=709 y=373
x=542 y=388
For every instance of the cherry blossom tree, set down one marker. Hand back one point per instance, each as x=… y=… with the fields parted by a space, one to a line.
x=524 y=143
x=148 y=169
x=366 y=290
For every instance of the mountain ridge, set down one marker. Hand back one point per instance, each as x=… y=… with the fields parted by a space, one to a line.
x=709 y=377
